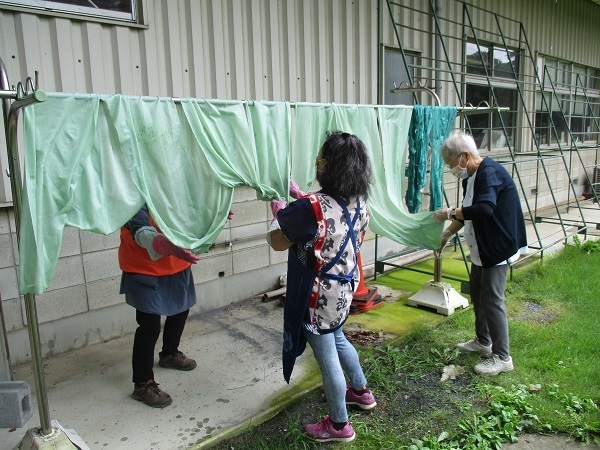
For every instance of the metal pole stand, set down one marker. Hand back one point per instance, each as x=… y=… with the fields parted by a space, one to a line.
x=47 y=435
x=436 y=294
x=56 y=439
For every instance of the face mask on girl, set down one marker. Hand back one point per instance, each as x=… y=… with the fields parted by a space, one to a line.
x=459 y=172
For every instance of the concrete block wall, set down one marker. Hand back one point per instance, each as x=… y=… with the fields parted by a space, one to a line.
x=83 y=305
x=15 y=404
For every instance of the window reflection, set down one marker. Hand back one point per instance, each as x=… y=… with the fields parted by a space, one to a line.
x=496 y=60
x=488 y=130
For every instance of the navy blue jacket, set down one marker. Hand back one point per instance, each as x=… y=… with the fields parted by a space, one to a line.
x=496 y=214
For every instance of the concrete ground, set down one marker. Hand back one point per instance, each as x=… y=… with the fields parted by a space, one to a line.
x=537 y=442
x=238 y=350
x=238 y=381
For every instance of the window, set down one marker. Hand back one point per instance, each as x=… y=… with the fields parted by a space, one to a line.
x=496 y=60
x=593 y=78
x=487 y=129
x=395 y=72
x=109 y=9
x=572 y=103
x=492 y=131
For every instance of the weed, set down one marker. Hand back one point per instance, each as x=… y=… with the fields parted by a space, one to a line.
x=446 y=355
x=589 y=246
x=574 y=415
x=294 y=435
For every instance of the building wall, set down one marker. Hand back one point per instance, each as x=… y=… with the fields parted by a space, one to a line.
x=293 y=50
x=562 y=29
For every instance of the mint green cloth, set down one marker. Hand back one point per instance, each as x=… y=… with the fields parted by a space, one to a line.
x=389 y=216
x=387 y=155
x=91 y=161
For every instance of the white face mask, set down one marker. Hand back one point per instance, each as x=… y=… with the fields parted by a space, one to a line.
x=459 y=172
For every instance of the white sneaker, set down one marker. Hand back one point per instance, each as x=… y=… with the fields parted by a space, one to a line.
x=475 y=346
x=494 y=365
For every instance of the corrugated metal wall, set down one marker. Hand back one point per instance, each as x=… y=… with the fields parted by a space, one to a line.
x=296 y=50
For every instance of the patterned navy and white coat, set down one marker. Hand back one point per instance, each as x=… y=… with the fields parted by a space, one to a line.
x=317 y=240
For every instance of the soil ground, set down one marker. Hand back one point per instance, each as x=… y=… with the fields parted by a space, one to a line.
x=422 y=399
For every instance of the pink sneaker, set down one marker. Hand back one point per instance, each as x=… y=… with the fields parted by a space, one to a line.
x=323 y=431
x=364 y=402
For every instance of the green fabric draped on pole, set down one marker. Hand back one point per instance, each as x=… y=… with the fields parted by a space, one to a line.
x=91 y=161
x=387 y=155
x=389 y=216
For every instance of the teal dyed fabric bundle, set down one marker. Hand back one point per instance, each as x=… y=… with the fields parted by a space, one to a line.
x=442 y=122
x=418 y=147
x=429 y=126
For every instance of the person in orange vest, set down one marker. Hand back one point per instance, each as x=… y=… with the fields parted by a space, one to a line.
x=157 y=281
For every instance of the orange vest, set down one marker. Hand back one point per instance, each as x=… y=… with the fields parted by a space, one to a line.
x=134 y=258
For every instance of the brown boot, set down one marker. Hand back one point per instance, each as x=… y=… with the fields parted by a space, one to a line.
x=151 y=395
x=177 y=361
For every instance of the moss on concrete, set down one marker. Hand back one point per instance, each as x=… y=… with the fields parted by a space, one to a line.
x=396 y=317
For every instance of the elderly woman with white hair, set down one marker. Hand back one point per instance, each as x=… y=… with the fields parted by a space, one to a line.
x=495 y=234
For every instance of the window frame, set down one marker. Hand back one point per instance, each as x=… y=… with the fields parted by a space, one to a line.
x=570 y=94
x=385 y=94
x=471 y=79
x=56 y=8
x=490 y=64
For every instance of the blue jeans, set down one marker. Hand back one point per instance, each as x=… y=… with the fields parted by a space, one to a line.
x=335 y=355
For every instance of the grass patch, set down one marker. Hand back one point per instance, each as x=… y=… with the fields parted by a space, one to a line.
x=555 y=387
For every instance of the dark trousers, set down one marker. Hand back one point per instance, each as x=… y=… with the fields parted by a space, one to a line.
x=145 y=340
x=487 y=295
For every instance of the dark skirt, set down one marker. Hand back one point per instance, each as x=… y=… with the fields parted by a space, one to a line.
x=167 y=295
x=300 y=281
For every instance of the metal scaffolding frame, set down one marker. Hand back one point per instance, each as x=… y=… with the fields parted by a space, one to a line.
x=524 y=78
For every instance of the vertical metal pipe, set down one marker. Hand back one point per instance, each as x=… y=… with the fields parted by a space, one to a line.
x=437 y=27
x=5 y=106
x=11 y=119
x=437 y=266
x=438 y=49
x=38 y=366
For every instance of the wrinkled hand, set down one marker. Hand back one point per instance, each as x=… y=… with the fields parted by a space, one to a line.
x=230 y=215
x=295 y=191
x=276 y=206
x=163 y=246
x=446 y=235
x=441 y=215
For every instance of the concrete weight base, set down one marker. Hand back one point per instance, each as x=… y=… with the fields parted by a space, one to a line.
x=58 y=440
x=440 y=296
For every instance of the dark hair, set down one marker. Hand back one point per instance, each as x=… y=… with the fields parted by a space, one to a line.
x=348 y=171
